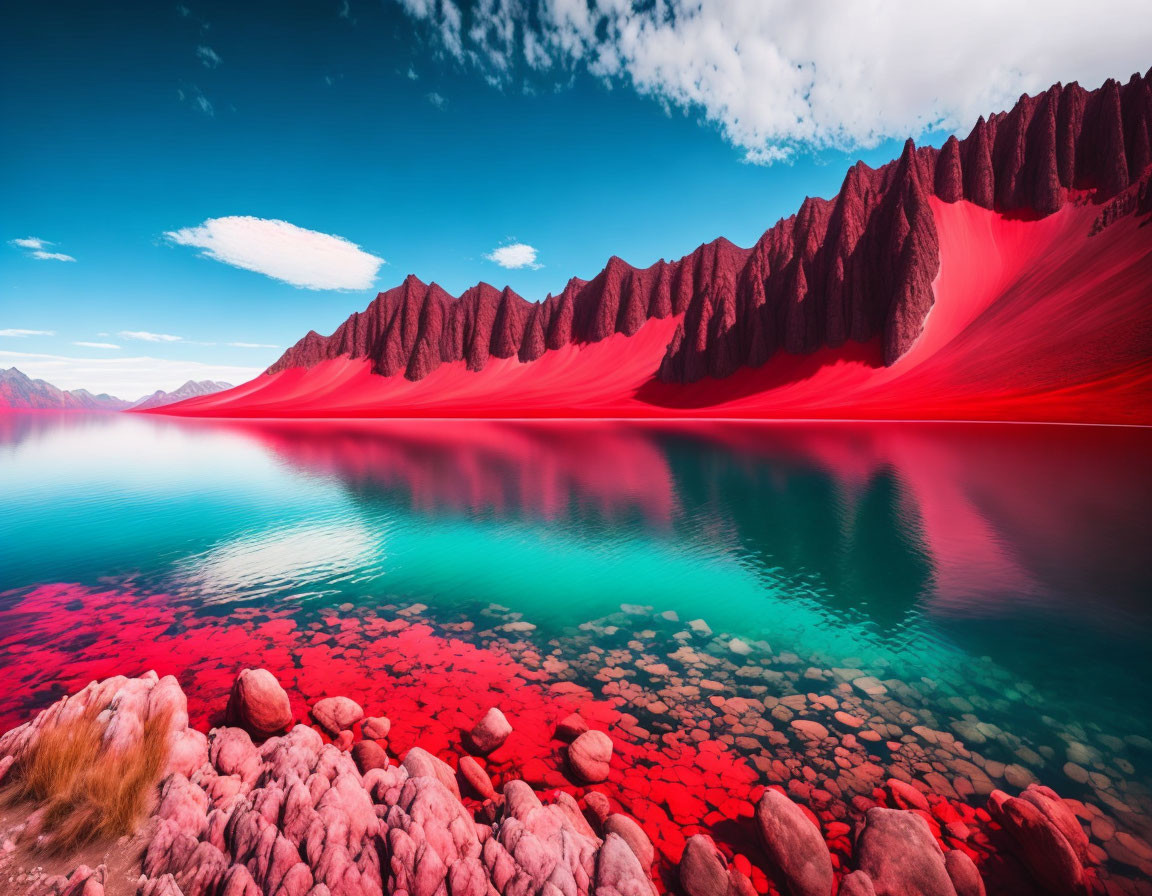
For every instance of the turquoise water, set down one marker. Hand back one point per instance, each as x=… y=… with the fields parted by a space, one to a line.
x=1006 y=560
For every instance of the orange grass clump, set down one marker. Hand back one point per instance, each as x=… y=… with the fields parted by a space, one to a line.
x=85 y=791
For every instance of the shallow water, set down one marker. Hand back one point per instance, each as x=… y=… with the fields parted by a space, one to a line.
x=997 y=578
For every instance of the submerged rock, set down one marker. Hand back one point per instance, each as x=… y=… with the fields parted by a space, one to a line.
x=795 y=846
x=1039 y=844
x=897 y=851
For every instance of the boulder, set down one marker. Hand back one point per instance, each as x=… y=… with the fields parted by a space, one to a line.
x=963 y=872
x=631 y=833
x=590 y=755
x=1038 y=843
x=258 y=704
x=376 y=728
x=571 y=727
x=475 y=776
x=795 y=846
x=336 y=714
x=368 y=755
x=897 y=851
x=1056 y=811
x=490 y=732
x=856 y=884
x=703 y=869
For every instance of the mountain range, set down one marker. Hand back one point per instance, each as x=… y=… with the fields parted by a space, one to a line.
x=1002 y=276
x=20 y=392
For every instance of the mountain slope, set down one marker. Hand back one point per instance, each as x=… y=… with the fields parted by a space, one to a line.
x=919 y=289
x=191 y=389
x=21 y=392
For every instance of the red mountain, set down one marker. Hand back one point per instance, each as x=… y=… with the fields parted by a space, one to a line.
x=1003 y=276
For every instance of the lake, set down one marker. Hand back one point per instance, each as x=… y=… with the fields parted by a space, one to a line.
x=961 y=606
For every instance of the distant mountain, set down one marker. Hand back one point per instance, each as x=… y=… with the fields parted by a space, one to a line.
x=1001 y=276
x=19 y=391
x=191 y=389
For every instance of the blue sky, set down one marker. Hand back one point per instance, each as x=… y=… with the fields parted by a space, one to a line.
x=428 y=135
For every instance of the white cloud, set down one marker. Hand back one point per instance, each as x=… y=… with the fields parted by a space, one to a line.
x=780 y=75
x=96 y=345
x=209 y=57
x=436 y=99
x=20 y=334
x=516 y=255
x=145 y=336
x=283 y=251
x=128 y=378
x=38 y=249
x=252 y=345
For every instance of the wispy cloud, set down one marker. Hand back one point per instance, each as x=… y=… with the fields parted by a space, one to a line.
x=126 y=377
x=34 y=247
x=304 y=258
x=145 y=336
x=208 y=57
x=20 y=334
x=96 y=344
x=436 y=99
x=345 y=10
x=251 y=345
x=194 y=97
x=514 y=255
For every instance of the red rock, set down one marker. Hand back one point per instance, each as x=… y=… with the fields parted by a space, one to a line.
x=598 y=804
x=905 y=796
x=476 y=777
x=336 y=714
x=258 y=704
x=376 y=728
x=897 y=851
x=367 y=754
x=703 y=870
x=490 y=732
x=963 y=873
x=571 y=727
x=631 y=833
x=795 y=846
x=856 y=884
x=1044 y=851
x=590 y=755
x=1056 y=811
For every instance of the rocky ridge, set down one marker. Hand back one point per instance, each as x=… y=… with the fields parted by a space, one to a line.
x=858 y=267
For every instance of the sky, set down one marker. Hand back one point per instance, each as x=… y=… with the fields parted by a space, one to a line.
x=190 y=187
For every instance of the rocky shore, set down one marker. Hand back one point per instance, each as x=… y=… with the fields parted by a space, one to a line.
x=271 y=804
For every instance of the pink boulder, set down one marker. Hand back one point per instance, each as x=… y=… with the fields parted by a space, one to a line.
x=856 y=884
x=589 y=756
x=476 y=778
x=632 y=834
x=571 y=727
x=490 y=732
x=258 y=704
x=368 y=755
x=795 y=846
x=336 y=714
x=703 y=869
x=897 y=851
x=375 y=728
x=1043 y=850
x=965 y=876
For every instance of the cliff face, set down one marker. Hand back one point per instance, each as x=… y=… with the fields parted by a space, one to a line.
x=858 y=267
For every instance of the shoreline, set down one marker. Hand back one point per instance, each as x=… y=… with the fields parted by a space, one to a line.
x=678 y=782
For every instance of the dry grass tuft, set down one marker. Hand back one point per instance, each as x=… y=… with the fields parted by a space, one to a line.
x=85 y=791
